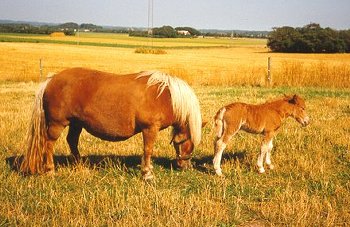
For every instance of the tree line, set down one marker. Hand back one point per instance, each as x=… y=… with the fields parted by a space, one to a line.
x=166 y=32
x=170 y=32
x=71 y=28
x=311 y=38
x=67 y=28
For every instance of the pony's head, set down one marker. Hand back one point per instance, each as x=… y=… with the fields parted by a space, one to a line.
x=299 y=112
x=183 y=146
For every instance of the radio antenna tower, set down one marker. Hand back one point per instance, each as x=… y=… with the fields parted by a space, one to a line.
x=150 y=17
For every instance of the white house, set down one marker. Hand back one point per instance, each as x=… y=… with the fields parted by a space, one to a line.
x=183 y=32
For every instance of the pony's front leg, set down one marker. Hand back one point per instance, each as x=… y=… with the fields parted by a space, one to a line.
x=149 y=138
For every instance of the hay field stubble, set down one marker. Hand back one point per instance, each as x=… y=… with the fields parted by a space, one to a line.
x=310 y=185
x=232 y=62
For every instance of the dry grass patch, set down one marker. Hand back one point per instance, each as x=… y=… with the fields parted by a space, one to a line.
x=144 y=50
x=57 y=34
x=309 y=187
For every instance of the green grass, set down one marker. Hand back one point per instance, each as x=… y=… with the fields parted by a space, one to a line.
x=309 y=187
x=34 y=40
x=117 y=40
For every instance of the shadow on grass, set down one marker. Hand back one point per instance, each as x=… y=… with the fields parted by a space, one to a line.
x=202 y=164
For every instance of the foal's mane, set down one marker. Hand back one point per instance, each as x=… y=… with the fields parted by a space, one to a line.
x=184 y=101
x=285 y=98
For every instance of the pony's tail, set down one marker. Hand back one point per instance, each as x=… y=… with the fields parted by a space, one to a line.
x=219 y=122
x=36 y=136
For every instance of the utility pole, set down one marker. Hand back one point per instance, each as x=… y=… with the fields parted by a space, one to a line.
x=150 y=16
x=150 y=20
x=269 y=77
x=41 y=69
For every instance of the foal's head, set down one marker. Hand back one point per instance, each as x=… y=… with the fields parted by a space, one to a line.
x=298 y=111
x=183 y=145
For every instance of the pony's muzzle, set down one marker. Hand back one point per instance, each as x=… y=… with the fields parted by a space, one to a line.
x=184 y=161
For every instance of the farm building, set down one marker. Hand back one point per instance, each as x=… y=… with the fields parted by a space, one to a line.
x=183 y=32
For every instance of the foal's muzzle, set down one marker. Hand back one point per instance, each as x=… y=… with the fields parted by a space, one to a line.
x=304 y=122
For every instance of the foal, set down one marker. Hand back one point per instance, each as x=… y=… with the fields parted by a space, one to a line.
x=262 y=119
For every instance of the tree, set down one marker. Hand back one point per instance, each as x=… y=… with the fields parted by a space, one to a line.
x=164 y=32
x=283 y=39
x=311 y=38
x=90 y=27
x=345 y=37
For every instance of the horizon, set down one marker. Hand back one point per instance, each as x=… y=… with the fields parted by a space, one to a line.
x=251 y=15
x=8 y=21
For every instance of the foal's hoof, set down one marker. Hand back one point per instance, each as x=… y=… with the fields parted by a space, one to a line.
x=261 y=170
x=219 y=172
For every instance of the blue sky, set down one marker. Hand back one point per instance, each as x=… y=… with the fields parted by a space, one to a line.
x=219 y=14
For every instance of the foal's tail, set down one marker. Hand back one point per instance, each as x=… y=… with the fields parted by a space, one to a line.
x=36 y=136
x=219 y=122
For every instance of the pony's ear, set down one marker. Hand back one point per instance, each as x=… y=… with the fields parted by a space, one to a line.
x=293 y=100
x=204 y=123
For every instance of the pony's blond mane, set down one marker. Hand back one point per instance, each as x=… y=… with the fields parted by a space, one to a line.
x=184 y=101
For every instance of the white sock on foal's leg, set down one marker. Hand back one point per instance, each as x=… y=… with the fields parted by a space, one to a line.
x=268 y=156
x=219 y=149
x=260 y=162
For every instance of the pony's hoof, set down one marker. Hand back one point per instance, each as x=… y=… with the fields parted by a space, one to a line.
x=74 y=159
x=261 y=170
x=148 y=176
x=50 y=173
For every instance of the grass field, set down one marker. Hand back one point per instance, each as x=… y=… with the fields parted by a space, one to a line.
x=309 y=187
x=205 y=61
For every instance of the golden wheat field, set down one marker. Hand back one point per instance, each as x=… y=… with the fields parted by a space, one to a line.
x=310 y=185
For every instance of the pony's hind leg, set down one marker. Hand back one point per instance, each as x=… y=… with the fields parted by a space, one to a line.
x=53 y=132
x=73 y=139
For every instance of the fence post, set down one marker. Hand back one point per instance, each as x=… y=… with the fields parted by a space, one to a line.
x=41 y=70
x=269 y=77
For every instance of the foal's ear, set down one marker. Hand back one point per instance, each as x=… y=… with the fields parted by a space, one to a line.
x=204 y=123
x=293 y=100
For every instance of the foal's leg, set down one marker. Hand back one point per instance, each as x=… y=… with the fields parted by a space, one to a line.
x=149 y=138
x=73 y=139
x=268 y=156
x=266 y=147
x=219 y=147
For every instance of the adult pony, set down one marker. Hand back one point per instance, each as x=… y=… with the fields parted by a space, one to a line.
x=262 y=119
x=114 y=108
